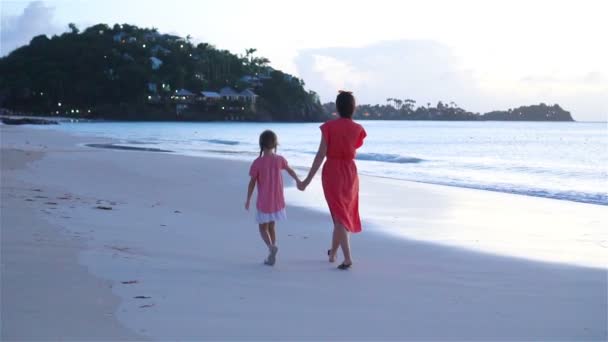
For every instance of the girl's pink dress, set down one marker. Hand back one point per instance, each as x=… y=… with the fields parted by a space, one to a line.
x=340 y=181
x=270 y=202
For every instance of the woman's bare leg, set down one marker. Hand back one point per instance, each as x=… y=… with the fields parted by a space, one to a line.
x=344 y=239
x=335 y=244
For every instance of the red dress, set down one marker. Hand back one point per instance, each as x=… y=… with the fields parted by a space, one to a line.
x=339 y=176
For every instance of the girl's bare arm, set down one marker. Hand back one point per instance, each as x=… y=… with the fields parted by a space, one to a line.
x=250 y=192
x=292 y=173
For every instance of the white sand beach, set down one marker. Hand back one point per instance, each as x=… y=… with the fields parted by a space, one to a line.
x=100 y=244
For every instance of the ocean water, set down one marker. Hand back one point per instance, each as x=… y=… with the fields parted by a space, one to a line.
x=565 y=161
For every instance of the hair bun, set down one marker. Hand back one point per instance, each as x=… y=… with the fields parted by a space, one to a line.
x=345 y=91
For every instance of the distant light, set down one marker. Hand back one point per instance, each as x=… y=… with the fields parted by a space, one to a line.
x=144 y=46
x=58 y=104
x=72 y=111
x=100 y=31
x=88 y=111
x=105 y=56
x=77 y=111
x=57 y=112
x=190 y=55
x=181 y=46
x=41 y=93
x=183 y=97
x=222 y=108
x=242 y=108
x=149 y=97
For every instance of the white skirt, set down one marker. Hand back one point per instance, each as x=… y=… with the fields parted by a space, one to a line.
x=261 y=217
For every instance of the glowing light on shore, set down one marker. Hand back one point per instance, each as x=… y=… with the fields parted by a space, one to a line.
x=143 y=46
x=58 y=104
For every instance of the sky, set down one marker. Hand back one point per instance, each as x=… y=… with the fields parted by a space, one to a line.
x=482 y=55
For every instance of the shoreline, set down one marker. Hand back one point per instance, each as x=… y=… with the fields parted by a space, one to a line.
x=524 y=178
x=177 y=228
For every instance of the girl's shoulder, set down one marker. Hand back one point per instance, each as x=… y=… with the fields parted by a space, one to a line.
x=280 y=157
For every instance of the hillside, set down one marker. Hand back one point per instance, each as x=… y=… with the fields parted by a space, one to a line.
x=131 y=73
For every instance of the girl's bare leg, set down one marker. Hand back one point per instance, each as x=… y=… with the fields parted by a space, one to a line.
x=344 y=239
x=272 y=233
x=269 y=240
x=265 y=235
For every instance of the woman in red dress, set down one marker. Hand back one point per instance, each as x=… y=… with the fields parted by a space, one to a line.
x=340 y=139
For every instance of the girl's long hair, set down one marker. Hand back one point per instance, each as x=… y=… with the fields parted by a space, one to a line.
x=268 y=139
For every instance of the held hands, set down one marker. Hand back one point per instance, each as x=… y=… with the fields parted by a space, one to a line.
x=303 y=184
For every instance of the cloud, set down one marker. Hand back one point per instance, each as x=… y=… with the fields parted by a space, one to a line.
x=18 y=30
x=425 y=71
x=590 y=78
x=428 y=71
x=339 y=74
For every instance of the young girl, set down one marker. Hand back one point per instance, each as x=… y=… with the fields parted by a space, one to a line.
x=266 y=172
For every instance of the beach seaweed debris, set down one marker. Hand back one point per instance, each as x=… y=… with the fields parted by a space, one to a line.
x=103 y=207
x=142 y=297
x=130 y=282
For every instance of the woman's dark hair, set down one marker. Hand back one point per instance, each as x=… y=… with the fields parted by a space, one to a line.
x=268 y=140
x=345 y=104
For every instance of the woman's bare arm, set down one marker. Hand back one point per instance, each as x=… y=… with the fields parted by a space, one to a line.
x=316 y=164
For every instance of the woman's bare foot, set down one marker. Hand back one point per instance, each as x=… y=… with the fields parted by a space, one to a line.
x=332 y=256
x=345 y=265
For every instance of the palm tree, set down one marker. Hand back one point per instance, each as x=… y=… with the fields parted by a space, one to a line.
x=249 y=54
x=398 y=103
